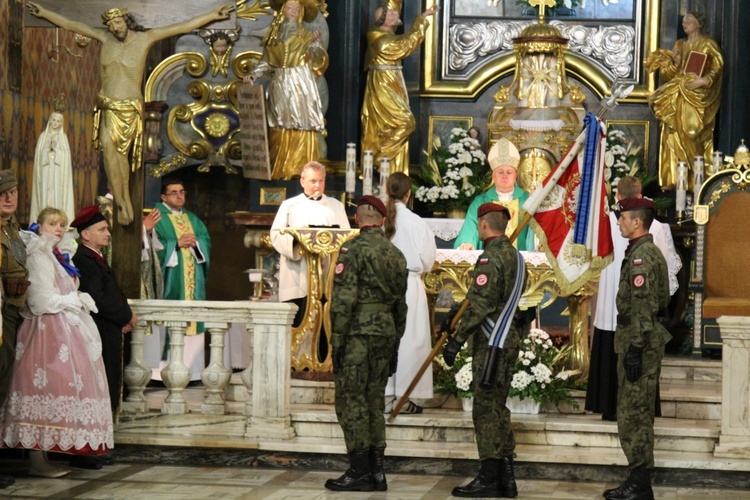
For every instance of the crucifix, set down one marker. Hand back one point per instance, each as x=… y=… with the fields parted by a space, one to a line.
x=542 y=4
x=118 y=114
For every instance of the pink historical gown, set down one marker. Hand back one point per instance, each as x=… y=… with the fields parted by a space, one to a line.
x=58 y=399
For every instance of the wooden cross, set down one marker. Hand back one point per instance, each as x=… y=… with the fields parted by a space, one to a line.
x=542 y=4
x=147 y=13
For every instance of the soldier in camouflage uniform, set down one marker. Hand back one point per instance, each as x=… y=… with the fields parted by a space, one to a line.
x=368 y=316
x=642 y=297
x=495 y=276
x=15 y=283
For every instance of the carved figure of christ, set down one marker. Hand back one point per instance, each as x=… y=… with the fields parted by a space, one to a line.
x=119 y=112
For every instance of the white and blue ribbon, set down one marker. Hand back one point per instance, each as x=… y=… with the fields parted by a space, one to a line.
x=497 y=330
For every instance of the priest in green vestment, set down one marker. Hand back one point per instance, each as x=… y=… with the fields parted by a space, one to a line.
x=184 y=262
x=503 y=159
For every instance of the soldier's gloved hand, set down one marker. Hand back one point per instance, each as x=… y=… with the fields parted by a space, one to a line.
x=393 y=364
x=445 y=326
x=338 y=358
x=633 y=363
x=451 y=351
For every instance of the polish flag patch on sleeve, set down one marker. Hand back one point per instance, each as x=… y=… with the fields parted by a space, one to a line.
x=484 y=261
x=637 y=262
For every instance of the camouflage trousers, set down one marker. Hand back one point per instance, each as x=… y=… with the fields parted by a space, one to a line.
x=11 y=320
x=636 y=405
x=360 y=391
x=491 y=417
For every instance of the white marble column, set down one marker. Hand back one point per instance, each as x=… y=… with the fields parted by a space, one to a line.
x=271 y=368
x=734 y=440
x=215 y=376
x=137 y=374
x=247 y=373
x=176 y=375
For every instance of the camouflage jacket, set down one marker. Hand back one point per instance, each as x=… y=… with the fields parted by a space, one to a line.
x=643 y=295
x=494 y=277
x=369 y=288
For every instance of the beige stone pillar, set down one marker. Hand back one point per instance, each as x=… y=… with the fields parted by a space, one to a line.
x=734 y=440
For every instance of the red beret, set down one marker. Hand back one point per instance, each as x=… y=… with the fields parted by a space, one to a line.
x=375 y=203
x=87 y=217
x=636 y=204
x=486 y=208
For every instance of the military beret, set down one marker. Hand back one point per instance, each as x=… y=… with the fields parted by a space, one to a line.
x=7 y=180
x=503 y=153
x=636 y=204
x=87 y=217
x=486 y=208
x=374 y=202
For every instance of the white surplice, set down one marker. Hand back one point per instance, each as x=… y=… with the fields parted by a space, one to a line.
x=300 y=211
x=416 y=241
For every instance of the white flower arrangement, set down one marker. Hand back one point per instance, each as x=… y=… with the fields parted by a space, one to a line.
x=453 y=173
x=457 y=379
x=534 y=374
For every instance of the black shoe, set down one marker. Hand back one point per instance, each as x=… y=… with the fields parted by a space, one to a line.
x=507 y=480
x=636 y=487
x=6 y=481
x=85 y=462
x=105 y=459
x=376 y=466
x=486 y=484
x=357 y=477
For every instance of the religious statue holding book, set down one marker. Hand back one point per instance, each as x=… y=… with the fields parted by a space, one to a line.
x=687 y=103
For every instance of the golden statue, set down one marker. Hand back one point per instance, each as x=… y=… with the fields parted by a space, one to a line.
x=687 y=104
x=387 y=120
x=294 y=58
x=118 y=115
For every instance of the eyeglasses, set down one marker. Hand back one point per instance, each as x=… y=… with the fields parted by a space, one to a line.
x=175 y=193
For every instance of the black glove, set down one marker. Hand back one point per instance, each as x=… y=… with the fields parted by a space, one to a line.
x=338 y=358
x=393 y=363
x=633 y=363
x=445 y=326
x=451 y=351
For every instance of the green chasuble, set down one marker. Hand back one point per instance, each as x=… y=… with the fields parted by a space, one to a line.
x=470 y=232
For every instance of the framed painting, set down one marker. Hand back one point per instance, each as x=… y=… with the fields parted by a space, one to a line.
x=635 y=137
x=441 y=126
x=272 y=196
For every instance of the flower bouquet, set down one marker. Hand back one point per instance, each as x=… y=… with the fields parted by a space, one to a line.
x=454 y=380
x=536 y=375
x=453 y=173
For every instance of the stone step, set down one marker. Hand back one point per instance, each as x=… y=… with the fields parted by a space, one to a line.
x=682 y=368
x=455 y=426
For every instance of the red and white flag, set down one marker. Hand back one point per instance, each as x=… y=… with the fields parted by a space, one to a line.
x=569 y=211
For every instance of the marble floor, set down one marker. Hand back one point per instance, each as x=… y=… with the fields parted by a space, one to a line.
x=126 y=481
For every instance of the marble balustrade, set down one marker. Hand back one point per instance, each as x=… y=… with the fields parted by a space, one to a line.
x=267 y=377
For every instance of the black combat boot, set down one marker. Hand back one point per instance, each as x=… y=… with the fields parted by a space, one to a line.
x=357 y=477
x=507 y=481
x=486 y=484
x=636 y=487
x=376 y=466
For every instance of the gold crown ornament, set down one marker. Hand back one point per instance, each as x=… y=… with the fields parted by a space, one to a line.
x=113 y=14
x=392 y=5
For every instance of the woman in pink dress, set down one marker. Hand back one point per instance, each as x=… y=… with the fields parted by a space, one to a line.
x=58 y=400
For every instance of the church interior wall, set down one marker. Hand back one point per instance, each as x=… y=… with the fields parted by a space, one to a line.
x=26 y=94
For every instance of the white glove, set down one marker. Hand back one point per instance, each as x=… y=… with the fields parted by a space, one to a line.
x=71 y=302
x=88 y=302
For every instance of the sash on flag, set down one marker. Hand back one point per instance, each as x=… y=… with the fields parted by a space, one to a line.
x=569 y=211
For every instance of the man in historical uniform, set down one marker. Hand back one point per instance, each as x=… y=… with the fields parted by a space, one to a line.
x=368 y=316
x=184 y=258
x=503 y=159
x=639 y=343
x=387 y=121
x=118 y=118
x=495 y=327
x=15 y=283
x=294 y=58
